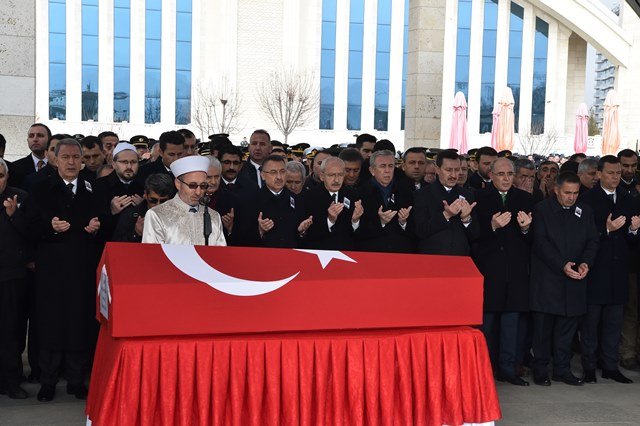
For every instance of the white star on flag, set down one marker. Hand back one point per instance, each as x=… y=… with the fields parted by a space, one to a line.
x=326 y=256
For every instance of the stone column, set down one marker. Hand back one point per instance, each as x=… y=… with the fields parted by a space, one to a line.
x=626 y=80
x=17 y=74
x=576 y=75
x=424 y=72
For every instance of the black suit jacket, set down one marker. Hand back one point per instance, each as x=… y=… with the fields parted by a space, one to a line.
x=286 y=210
x=19 y=170
x=607 y=282
x=561 y=236
x=503 y=257
x=372 y=236
x=435 y=234
x=13 y=239
x=248 y=178
x=476 y=182
x=318 y=236
x=148 y=169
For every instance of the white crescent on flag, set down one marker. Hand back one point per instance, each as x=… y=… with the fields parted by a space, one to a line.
x=187 y=259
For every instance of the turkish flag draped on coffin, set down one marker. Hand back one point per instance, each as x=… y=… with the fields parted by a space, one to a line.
x=161 y=290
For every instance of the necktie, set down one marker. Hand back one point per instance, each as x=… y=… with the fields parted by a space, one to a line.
x=612 y=197
x=504 y=197
x=193 y=210
x=70 y=188
x=40 y=165
x=335 y=197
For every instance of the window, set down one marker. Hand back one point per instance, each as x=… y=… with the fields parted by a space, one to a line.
x=57 y=59
x=354 y=87
x=405 y=49
x=383 y=49
x=327 y=64
x=487 y=78
x=89 y=60
x=183 y=62
x=515 y=57
x=153 y=35
x=462 y=49
x=538 y=100
x=121 y=60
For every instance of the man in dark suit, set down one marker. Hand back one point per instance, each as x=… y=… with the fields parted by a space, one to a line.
x=485 y=157
x=629 y=163
x=414 y=166
x=259 y=149
x=13 y=272
x=629 y=344
x=272 y=216
x=230 y=157
x=588 y=174
x=336 y=211
x=546 y=178
x=443 y=212
x=62 y=216
x=565 y=244
x=314 y=179
x=607 y=289
x=119 y=190
x=37 y=138
x=353 y=165
x=221 y=199
x=171 y=148
x=157 y=189
x=387 y=201
x=502 y=254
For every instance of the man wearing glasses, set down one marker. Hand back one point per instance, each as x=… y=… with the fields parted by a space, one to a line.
x=119 y=190
x=273 y=216
x=181 y=219
x=158 y=188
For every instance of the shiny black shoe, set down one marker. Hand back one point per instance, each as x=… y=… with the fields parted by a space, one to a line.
x=542 y=380
x=589 y=376
x=80 y=391
x=46 y=393
x=567 y=378
x=514 y=380
x=616 y=375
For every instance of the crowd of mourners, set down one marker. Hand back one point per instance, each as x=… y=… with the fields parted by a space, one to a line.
x=554 y=238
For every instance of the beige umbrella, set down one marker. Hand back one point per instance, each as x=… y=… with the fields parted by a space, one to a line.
x=611 y=124
x=506 y=128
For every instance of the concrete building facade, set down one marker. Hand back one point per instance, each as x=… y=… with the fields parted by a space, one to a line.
x=388 y=67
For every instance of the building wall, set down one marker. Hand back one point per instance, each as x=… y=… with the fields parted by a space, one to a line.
x=17 y=73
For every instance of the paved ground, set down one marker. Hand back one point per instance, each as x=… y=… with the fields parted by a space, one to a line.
x=605 y=403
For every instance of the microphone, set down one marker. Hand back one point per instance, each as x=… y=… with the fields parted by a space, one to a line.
x=204 y=201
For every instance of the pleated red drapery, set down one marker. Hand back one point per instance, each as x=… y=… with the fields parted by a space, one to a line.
x=384 y=377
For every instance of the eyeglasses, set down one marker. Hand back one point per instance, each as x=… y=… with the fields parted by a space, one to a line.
x=192 y=185
x=275 y=172
x=227 y=162
x=154 y=200
x=127 y=163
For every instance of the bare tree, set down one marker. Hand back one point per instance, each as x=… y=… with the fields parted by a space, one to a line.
x=289 y=99
x=537 y=142
x=217 y=110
